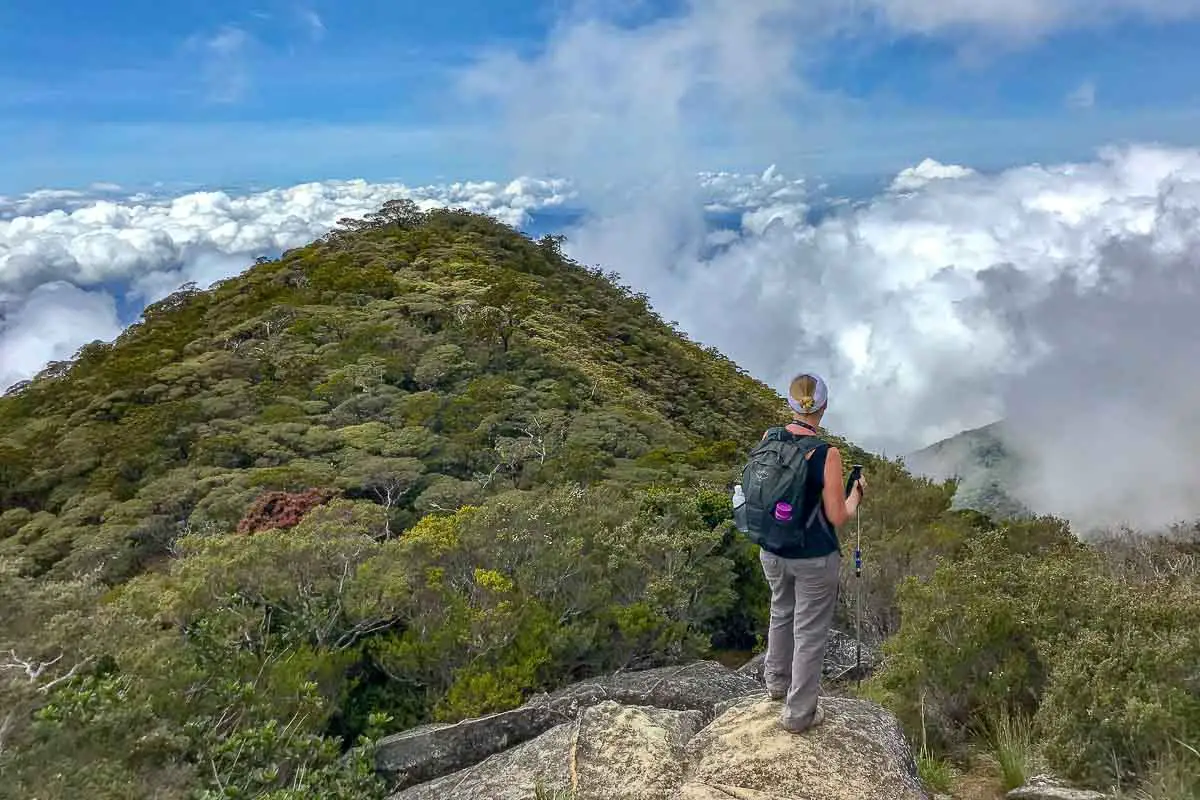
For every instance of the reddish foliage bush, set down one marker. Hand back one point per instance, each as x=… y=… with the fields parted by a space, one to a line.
x=281 y=509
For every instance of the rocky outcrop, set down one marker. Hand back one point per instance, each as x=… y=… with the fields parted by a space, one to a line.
x=611 y=751
x=1046 y=787
x=430 y=751
x=699 y=686
x=698 y=732
x=859 y=752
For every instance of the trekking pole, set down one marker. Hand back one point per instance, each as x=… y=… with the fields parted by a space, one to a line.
x=855 y=473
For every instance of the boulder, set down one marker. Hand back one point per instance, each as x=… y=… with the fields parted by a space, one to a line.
x=428 y=752
x=698 y=686
x=843 y=662
x=526 y=771
x=615 y=750
x=612 y=751
x=858 y=752
x=1046 y=787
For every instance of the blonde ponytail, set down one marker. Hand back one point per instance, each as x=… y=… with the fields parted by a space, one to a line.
x=803 y=391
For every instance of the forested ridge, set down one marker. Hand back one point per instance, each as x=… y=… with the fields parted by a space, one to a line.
x=427 y=466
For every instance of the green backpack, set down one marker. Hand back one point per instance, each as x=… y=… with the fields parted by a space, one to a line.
x=777 y=472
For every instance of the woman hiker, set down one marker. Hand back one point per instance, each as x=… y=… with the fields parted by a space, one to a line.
x=804 y=586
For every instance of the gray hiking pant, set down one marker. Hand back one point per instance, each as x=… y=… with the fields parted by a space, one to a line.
x=803 y=599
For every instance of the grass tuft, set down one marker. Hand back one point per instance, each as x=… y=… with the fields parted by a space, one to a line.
x=541 y=792
x=1010 y=738
x=936 y=773
x=1174 y=776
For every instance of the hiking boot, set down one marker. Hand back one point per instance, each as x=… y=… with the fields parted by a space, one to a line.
x=817 y=719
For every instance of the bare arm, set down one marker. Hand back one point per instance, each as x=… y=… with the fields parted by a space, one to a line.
x=838 y=508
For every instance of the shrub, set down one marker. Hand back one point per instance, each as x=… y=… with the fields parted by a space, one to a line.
x=1103 y=663
x=536 y=589
x=281 y=509
x=969 y=638
x=1124 y=690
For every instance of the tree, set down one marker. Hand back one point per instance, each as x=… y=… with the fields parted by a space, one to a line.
x=552 y=243
x=400 y=212
x=498 y=314
x=537 y=440
x=389 y=481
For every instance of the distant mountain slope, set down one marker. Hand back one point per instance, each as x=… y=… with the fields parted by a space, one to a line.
x=983 y=464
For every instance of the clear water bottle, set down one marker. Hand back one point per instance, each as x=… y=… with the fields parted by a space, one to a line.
x=739 y=499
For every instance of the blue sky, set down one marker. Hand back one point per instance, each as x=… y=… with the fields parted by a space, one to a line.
x=277 y=92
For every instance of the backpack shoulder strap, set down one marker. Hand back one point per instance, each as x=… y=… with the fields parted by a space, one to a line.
x=780 y=433
x=807 y=443
x=777 y=434
x=816 y=464
x=814 y=467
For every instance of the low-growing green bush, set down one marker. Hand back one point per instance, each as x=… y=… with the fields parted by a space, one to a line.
x=969 y=640
x=1125 y=689
x=1017 y=642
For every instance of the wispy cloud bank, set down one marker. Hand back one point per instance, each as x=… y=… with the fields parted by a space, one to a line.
x=222 y=61
x=1062 y=298
x=1084 y=96
x=313 y=24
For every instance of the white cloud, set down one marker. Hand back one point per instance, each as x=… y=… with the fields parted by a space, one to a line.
x=1023 y=18
x=1064 y=298
x=927 y=171
x=229 y=41
x=622 y=109
x=1107 y=419
x=49 y=324
x=727 y=191
x=46 y=200
x=1083 y=96
x=222 y=62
